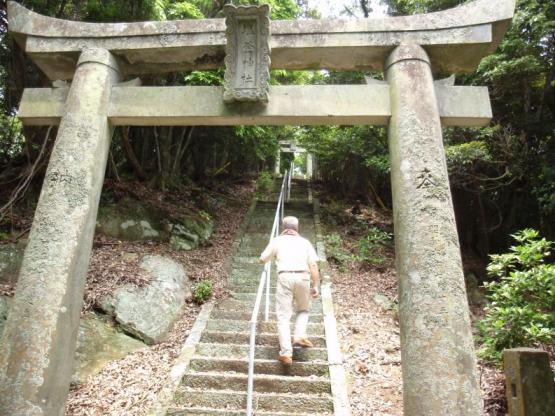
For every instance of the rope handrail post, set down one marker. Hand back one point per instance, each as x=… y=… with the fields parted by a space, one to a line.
x=265 y=282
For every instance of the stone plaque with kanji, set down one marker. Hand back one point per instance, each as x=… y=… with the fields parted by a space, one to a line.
x=247 y=62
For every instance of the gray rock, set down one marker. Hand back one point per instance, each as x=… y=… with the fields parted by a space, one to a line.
x=200 y=225
x=98 y=343
x=182 y=239
x=383 y=301
x=131 y=220
x=181 y=244
x=191 y=232
x=148 y=312
x=11 y=256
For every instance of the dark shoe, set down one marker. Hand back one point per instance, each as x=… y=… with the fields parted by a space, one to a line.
x=303 y=343
x=285 y=360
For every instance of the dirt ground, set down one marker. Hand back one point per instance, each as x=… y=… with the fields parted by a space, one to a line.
x=369 y=337
x=367 y=321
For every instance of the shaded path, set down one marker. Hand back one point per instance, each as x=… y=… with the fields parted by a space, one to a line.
x=216 y=377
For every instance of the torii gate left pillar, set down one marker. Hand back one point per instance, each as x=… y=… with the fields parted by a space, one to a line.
x=37 y=354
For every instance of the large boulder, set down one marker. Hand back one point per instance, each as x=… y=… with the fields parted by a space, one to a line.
x=191 y=231
x=148 y=312
x=11 y=256
x=131 y=220
x=134 y=220
x=98 y=343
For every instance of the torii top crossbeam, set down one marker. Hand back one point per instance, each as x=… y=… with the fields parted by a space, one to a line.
x=455 y=40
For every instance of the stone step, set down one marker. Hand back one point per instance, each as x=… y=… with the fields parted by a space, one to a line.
x=250 y=297
x=243 y=338
x=232 y=400
x=246 y=306
x=246 y=316
x=261 y=366
x=230 y=325
x=242 y=261
x=206 y=411
x=262 y=383
x=292 y=205
x=261 y=352
x=248 y=287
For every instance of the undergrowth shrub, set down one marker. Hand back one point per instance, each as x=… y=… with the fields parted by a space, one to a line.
x=522 y=308
x=264 y=184
x=202 y=291
x=372 y=248
x=336 y=252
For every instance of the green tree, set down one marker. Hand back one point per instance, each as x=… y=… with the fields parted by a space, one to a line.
x=522 y=296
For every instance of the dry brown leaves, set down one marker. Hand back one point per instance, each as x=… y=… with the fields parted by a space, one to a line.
x=369 y=337
x=369 y=334
x=492 y=382
x=7 y=290
x=129 y=387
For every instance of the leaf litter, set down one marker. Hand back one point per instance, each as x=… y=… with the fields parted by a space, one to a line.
x=368 y=327
x=129 y=386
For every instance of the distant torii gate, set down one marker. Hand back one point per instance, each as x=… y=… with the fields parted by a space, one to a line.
x=438 y=361
x=289 y=147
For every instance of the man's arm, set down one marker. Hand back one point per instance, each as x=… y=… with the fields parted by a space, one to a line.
x=315 y=278
x=267 y=254
x=314 y=272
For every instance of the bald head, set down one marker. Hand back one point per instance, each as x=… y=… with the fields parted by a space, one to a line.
x=291 y=223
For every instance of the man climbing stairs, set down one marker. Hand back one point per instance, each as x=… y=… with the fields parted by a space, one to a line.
x=215 y=382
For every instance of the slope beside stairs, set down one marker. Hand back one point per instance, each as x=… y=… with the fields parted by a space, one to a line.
x=211 y=378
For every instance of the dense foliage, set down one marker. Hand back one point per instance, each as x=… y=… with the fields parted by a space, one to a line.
x=503 y=176
x=522 y=296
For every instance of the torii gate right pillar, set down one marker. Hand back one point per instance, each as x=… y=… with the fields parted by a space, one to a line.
x=438 y=360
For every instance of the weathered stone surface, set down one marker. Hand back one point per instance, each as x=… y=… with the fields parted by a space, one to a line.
x=191 y=232
x=438 y=361
x=149 y=312
x=11 y=256
x=529 y=382
x=337 y=104
x=247 y=61
x=131 y=220
x=98 y=343
x=135 y=221
x=4 y=307
x=38 y=343
x=182 y=239
x=383 y=301
x=456 y=40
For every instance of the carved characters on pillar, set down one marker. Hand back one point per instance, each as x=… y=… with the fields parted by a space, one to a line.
x=247 y=62
x=426 y=179
x=430 y=184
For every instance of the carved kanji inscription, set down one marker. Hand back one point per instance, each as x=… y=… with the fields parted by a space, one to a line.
x=247 y=59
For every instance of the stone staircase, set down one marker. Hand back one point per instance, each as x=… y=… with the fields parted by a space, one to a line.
x=215 y=380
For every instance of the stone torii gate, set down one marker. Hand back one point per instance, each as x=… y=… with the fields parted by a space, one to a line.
x=438 y=361
x=288 y=147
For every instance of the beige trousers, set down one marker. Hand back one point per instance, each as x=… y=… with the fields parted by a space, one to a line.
x=292 y=295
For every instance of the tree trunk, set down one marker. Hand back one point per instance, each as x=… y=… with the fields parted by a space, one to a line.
x=130 y=155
